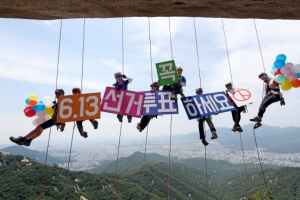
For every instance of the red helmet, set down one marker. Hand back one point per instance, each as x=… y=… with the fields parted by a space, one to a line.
x=76 y=89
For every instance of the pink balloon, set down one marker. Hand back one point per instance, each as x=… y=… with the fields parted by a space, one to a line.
x=286 y=69
x=47 y=117
x=41 y=114
x=40 y=120
x=291 y=76
x=289 y=64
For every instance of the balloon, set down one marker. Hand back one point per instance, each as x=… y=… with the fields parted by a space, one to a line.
x=27 y=108
x=48 y=110
x=281 y=57
x=26 y=101
x=29 y=113
x=41 y=114
x=280 y=78
x=296 y=83
x=286 y=69
x=40 y=120
x=296 y=68
x=272 y=71
x=34 y=122
x=286 y=85
x=33 y=96
x=47 y=100
x=39 y=107
x=32 y=102
x=298 y=75
x=276 y=72
x=291 y=76
x=278 y=64
x=46 y=117
x=274 y=68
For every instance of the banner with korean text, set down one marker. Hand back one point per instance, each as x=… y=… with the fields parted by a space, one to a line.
x=124 y=102
x=206 y=104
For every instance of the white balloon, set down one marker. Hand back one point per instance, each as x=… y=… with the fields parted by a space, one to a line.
x=34 y=122
x=47 y=100
x=296 y=68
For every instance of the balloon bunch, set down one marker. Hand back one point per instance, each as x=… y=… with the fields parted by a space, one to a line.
x=41 y=109
x=286 y=74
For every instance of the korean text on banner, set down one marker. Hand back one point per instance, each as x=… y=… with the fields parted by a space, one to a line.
x=159 y=102
x=124 y=102
x=166 y=72
x=206 y=104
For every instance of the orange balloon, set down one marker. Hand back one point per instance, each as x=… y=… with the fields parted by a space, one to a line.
x=32 y=102
x=296 y=83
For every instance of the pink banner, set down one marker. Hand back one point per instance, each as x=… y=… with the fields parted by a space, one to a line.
x=123 y=102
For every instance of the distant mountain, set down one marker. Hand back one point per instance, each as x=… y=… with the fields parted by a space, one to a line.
x=35 y=155
x=271 y=138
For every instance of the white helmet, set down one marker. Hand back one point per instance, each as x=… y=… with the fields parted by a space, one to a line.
x=179 y=68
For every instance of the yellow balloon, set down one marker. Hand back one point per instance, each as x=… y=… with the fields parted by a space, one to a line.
x=286 y=85
x=33 y=96
x=48 y=110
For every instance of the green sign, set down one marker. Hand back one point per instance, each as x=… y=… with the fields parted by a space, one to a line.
x=166 y=72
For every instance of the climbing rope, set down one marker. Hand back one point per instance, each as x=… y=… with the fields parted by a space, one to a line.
x=196 y=40
x=57 y=68
x=246 y=172
x=149 y=25
x=169 y=164
x=117 y=160
x=262 y=99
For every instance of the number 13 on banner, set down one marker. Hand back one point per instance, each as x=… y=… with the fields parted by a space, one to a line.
x=79 y=107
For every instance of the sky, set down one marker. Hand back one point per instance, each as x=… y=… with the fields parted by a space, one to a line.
x=29 y=57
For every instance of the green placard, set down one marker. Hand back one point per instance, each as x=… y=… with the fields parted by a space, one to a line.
x=166 y=72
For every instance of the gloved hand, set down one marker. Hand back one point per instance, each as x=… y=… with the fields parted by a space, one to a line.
x=216 y=113
x=123 y=76
x=62 y=127
x=179 y=81
x=282 y=102
x=117 y=88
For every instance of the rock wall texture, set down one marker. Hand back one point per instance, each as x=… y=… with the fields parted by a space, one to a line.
x=63 y=9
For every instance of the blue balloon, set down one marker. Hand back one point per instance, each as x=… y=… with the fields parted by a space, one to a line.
x=26 y=101
x=278 y=64
x=38 y=107
x=298 y=75
x=273 y=68
x=281 y=57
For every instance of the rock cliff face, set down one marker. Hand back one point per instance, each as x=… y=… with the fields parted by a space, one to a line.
x=57 y=9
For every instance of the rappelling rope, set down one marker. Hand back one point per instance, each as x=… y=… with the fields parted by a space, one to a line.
x=149 y=118
x=262 y=99
x=196 y=40
x=169 y=164
x=117 y=160
x=246 y=172
x=57 y=68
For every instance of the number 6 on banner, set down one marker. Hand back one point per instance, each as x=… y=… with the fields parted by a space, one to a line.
x=79 y=107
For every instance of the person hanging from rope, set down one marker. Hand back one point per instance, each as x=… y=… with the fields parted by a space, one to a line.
x=176 y=88
x=272 y=95
x=146 y=118
x=26 y=140
x=208 y=120
x=236 y=114
x=122 y=84
x=182 y=80
x=94 y=122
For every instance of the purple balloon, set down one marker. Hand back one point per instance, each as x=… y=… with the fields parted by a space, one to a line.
x=286 y=69
x=291 y=76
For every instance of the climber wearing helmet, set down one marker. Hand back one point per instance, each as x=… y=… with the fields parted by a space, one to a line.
x=94 y=122
x=272 y=95
x=122 y=84
x=208 y=120
x=236 y=114
x=181 y=80
x=146 y=118
x=26 y=140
